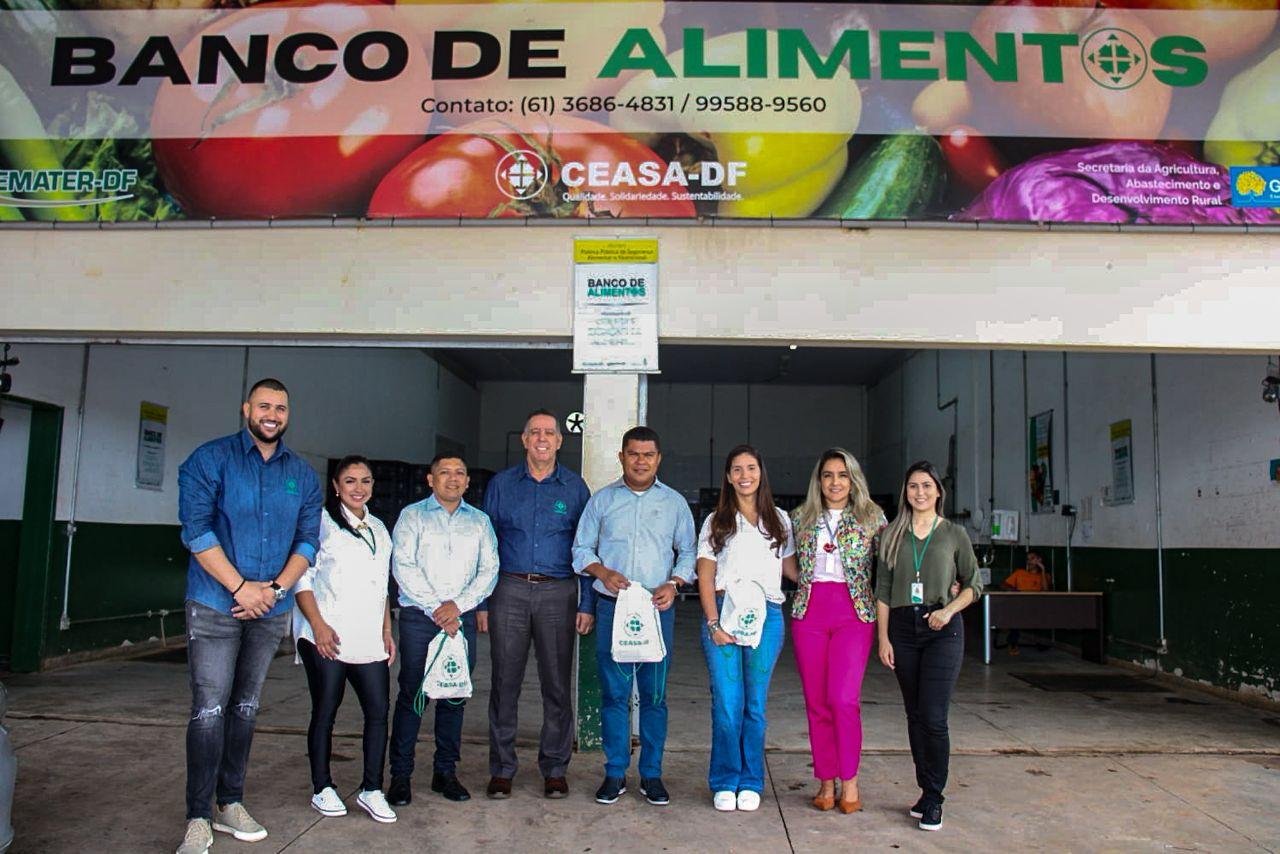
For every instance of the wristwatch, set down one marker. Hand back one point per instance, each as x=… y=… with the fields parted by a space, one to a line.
x=713 y=626
x=279 y=591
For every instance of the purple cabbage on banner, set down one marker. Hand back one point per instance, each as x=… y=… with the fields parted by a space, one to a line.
x=1121 y=182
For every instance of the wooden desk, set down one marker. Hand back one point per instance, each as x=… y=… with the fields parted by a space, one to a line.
x=1011 y=609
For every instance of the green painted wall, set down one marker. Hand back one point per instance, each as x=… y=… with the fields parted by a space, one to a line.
x=10 y=533
x=1217 y=617
x=116 y=570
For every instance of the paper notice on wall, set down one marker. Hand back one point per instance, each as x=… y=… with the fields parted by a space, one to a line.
x=152 y=422
x=1121 y=462
x=615 y=305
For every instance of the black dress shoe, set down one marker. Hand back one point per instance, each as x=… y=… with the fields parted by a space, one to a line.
x=448 y=785
x=399 y=794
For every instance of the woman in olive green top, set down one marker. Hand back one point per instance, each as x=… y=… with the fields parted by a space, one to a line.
x=921 y=631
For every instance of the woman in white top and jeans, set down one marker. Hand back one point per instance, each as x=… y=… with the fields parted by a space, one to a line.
x=346 y=635
x=746 y=538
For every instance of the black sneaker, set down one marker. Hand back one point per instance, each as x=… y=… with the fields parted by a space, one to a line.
x=654 y=792
x=917 y=809
x=932 y=818
x=611 y=789
x=399 y=793
x=448 y=785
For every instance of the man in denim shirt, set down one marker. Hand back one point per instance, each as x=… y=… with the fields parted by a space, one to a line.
x=250 y=513
x=635 y=530
x=534 y=507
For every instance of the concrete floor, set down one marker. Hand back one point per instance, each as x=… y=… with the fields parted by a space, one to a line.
x=101 y=768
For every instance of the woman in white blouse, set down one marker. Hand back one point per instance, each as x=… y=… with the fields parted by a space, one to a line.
x=346 y=635
x=747 y=539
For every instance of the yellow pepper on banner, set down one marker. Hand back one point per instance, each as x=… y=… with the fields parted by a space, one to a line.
x=1246 y=129
x=788 y=172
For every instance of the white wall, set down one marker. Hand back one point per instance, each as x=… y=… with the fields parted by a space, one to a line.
x=897 y=286
x=385 y=404
x=1216 y=440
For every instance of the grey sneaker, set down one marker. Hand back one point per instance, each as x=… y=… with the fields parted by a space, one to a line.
x=235 y=819
x=198 y=839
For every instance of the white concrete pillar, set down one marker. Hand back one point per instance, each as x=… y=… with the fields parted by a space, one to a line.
x=611 y=405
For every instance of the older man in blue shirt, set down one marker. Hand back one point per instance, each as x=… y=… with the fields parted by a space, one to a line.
x=538 y=602
x=250 y=513
x=635 y=530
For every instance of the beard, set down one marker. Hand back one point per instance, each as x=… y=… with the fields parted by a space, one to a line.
x=256 y=429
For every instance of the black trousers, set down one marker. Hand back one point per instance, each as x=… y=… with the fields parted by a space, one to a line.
x=927 y=663
x=328 y=682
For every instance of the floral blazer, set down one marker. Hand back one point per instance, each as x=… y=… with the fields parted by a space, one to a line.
x=857 y=554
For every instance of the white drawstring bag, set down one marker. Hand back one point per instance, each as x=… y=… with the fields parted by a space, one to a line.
x=637 y=636
x=744 y=611
x=447 y=676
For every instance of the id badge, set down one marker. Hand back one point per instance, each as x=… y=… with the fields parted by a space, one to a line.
x=917 y=593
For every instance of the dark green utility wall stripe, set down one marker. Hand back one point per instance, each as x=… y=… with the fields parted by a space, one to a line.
x=116 y=570
x=1217 y=619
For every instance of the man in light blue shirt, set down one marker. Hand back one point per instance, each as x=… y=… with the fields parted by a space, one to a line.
x=446 y=564
x=635 y=530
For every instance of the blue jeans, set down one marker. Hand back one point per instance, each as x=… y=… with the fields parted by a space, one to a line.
x=615 y=698
x=417 y=630
x=739 y=692
x=228 y=659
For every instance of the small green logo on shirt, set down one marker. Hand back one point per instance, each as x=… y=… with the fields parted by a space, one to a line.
x=560 y=507
x=291 y=486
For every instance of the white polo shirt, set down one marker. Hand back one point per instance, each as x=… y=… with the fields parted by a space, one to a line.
x=349 y=581
x=749 y=554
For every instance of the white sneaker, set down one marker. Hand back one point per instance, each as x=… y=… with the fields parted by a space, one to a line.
x=725 y=801
x=748 y=801
x=375 y=804
x=328 y=802
x=235 y=819
x=198 y=837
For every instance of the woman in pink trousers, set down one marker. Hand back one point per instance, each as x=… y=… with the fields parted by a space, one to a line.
x=837 y=532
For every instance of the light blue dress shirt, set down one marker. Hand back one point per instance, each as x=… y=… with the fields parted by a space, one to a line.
x=441 y=556
x=649 y=537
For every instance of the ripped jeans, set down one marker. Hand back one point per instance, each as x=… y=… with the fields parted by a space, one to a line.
x=228 y=660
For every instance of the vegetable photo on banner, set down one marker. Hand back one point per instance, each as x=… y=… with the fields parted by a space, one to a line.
x=1077 y=107
x=282 y=149
x=1118 y=182
x=488 y=169
x=789 y=172
x=1246 y=129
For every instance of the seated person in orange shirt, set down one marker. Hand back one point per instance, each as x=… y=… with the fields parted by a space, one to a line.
x=1032 y=577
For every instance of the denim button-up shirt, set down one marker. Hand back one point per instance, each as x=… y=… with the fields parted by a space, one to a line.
x=442 y=556
x=535 y=521
x=259 y=511
x=649 y=537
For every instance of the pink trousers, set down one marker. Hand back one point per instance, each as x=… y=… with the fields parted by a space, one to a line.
x=832 y=647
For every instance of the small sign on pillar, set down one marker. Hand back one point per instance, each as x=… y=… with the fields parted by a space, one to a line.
x=615 y=305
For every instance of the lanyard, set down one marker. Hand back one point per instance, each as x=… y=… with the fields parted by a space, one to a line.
x=919 y=554
x=371 y=541
x=826 y=523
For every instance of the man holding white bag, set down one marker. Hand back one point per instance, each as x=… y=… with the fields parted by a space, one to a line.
x=446 y=563
x=636 y=538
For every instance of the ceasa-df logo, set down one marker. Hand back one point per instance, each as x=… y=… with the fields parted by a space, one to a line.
x=524 y=174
